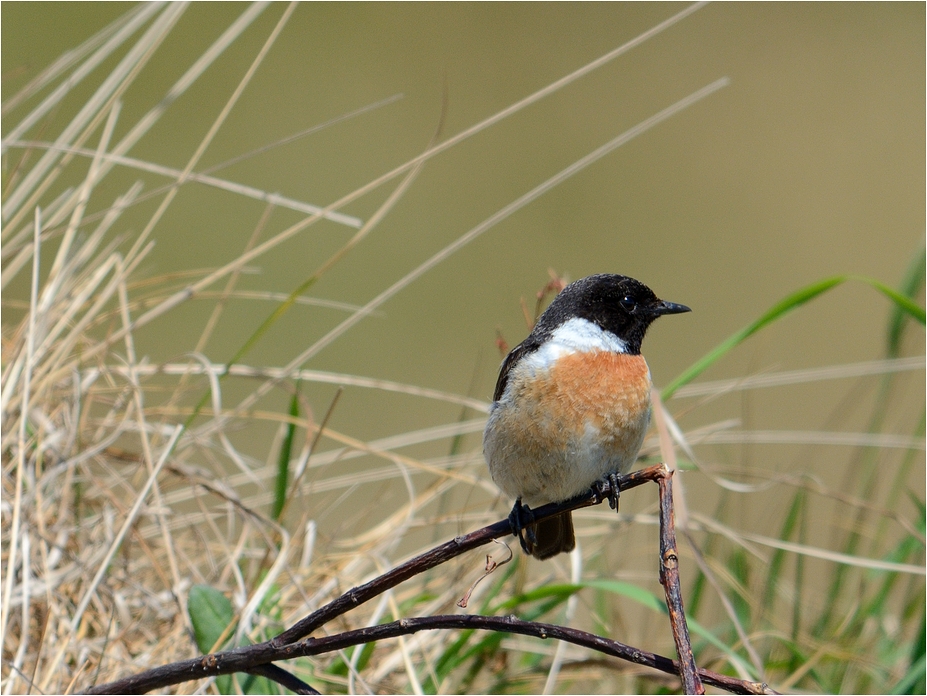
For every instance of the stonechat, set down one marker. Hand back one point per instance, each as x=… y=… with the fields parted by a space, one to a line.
x=572 y=403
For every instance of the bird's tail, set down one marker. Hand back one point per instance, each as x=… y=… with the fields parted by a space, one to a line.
x=552 y=536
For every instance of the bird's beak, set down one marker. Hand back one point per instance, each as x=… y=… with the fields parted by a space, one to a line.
x=663 y=307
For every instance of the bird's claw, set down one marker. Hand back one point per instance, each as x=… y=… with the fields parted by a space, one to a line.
x=522 y=519
x=607 y=487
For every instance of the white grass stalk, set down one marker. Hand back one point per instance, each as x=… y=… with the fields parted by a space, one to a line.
x=404 y=650
x=178 y=175
x=114 y=83
x=181 y=86
x=814 y=551
x=70 y=333
x=204 y=177
x=527 y=101
x=190 y=76
x=26 y=587
x=576 y=576
x=813 y=374
x=354 y=675
x=92 y=244
x=54 y=279
x=137 y=392
x=113 y=37
x=280 y=373
x=21 y=444
x=213 y=130
x=25 y=232
x=270 y=577
x=817 y=437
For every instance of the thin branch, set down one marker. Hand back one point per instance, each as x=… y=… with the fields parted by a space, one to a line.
x=669 y=578
x=242 y=659
x=282 y=677
x=289 y=644
x=441 y=554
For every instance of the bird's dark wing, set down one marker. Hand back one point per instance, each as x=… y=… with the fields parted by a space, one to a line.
x=524 y=348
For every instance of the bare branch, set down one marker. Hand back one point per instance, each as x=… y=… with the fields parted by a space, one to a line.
x=258 y=658
x=282 y=677
x=669 y=578
x=241 y=658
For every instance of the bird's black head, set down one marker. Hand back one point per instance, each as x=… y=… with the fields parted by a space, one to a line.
x=618 y=304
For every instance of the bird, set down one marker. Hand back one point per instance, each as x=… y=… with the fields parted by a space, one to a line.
x=572 y=404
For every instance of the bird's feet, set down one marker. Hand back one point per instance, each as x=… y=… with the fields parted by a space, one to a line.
x=607 y=487
x=522 y=519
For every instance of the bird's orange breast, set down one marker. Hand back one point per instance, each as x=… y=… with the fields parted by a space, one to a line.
x=605 y=390
x=560 y=427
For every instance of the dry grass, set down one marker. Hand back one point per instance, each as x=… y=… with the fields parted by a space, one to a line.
x=124 y=486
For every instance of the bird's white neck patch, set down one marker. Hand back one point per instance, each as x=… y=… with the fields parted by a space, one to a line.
x=576 y=336
x=581 y=335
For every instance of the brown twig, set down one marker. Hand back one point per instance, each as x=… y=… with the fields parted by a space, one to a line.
x=240 y=658
x=283 y=678
x=289 y=644
x=491 y=567
x=669 y=578
x=441 y=554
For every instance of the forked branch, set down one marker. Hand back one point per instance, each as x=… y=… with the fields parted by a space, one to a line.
x=290 y=643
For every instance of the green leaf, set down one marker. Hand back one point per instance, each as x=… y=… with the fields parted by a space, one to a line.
x=210 y=613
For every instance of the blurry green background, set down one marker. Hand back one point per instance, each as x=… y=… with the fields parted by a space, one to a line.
x=810 y=163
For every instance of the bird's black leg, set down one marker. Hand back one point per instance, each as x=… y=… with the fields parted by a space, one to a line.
x=521 y=518
x=609 y=482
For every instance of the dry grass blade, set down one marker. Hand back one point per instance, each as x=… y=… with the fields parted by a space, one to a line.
x=103 y=566
x=475 y=232
x=40 y=176
x=214 y=128
x=108 y=40
x=179 y=177
x=254 y=253
x=779 y=379
x=28 y=356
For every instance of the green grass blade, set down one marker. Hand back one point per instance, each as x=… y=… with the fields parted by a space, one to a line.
x=283 y=461
x=781 y=308
x=456 y=653
x=903 y=304
x=655 y=603
x=915 y=680
x=561 y=593
x=910 y=284
x=796 y=510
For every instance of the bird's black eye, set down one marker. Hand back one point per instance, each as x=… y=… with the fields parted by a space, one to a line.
x=628 y=303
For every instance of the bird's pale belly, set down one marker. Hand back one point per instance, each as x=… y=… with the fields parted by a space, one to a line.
x=557 y=430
